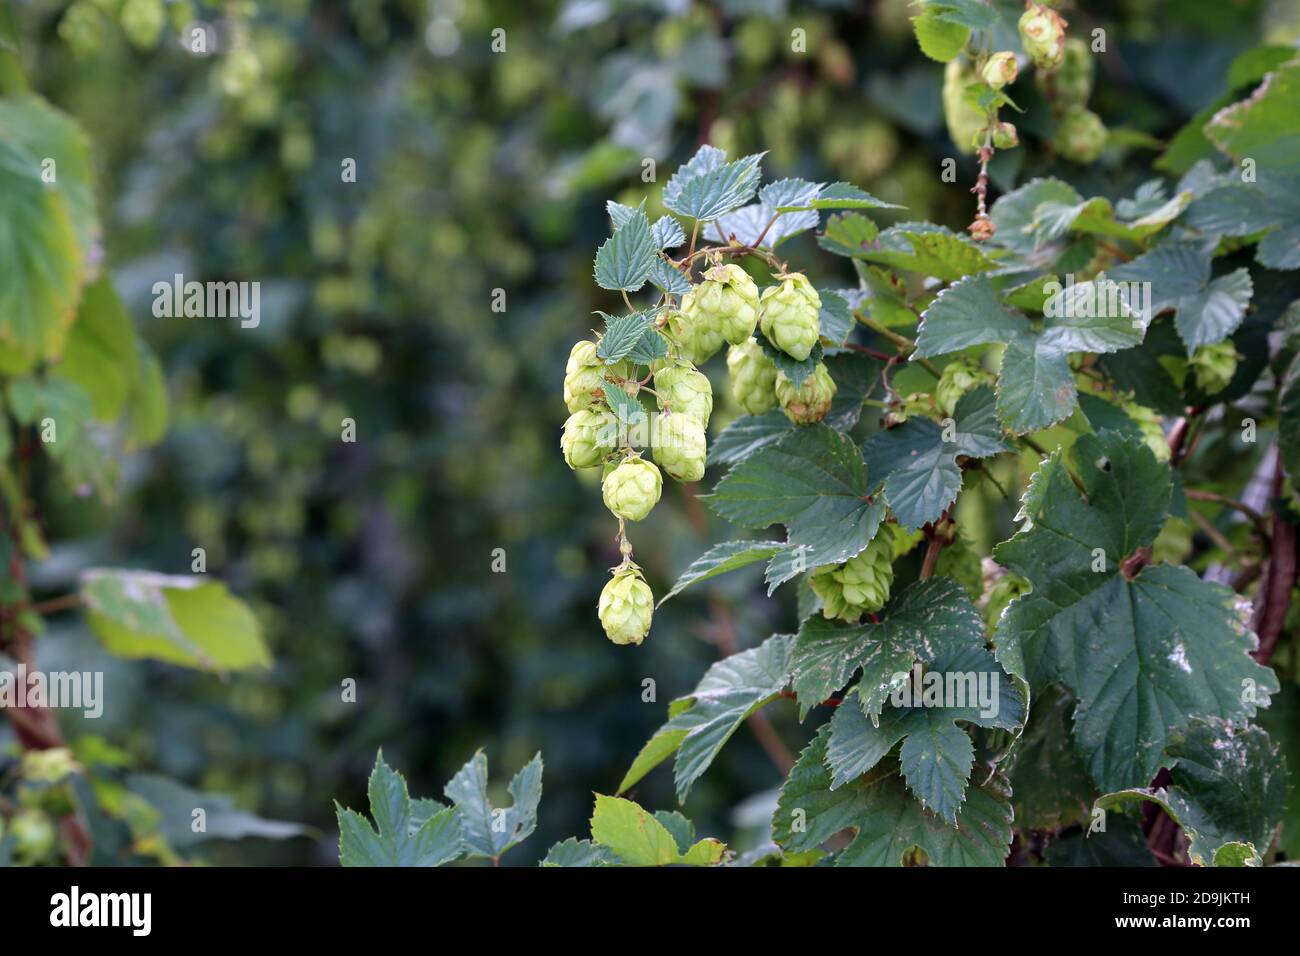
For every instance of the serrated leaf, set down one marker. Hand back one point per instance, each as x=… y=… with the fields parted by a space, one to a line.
x=625 y=259
x=581 y=853
x=400 y=841
x=1035 y=385
x=814 y=482
x=1178 y=275
x=967 y=313
x=1015 y=214
x=638 y=839
x=668 y=278
x=628 y=411
x=490 y=832
x=1049 y=784
x=836 y=318
x=792 y=561
x=855 y=376
x=924 y=620
x=747 y=435
x=1264 y=126
x=192 y=621
x=887 y=820
x=930 y=250
x=707 y=187
x=1174 y=646
x=722 y=558
x=940 y=39
x=937 y=755
x=622 y=334
x=919 y=468
x=668 y=233
x=700 y=723
x=849 y=235
x=834 y=196
x=1228 y=789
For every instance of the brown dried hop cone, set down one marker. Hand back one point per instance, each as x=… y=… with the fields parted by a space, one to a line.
x=753 y=377
x=809 y=402
x=626 y=606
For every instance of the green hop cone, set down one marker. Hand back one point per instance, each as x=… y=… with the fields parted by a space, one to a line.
x=791 y=315
x=1153 y=433
x=859 y=585
x=811 y=401
x=680 y=446
x=632 y=489
x=753 y=377
x=581 y=440
x=963 y=119
x=728 y=298
x=1214 y=366
x=1005 y=135
x=1000 y=70
x=584 y=376
x=1080 y=135
x=685 y=390
x=698 y=338
x=626 y=606
x=142 y=22
x=958 y=378
x=33 y=835
x=1042 y=36
x=1071 y=85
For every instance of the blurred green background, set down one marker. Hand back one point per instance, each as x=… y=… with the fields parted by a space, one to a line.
x=476 y=171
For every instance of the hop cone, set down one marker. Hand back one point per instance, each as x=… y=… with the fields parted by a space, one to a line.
x=680 y=446
x=1042 y=36
x=791 y=315
x=1072 y=83
x=727 y=300
x=1214 y=365
x=958 y=378
x=698 y=338
x=626 y=607
x=860 y=584
x=632 y=489
x=581 y=439
x=1000 y=69
x=1080 y=135
x=584 y=376
x=811 y=401
x=963 y=119
x=685 y=390
x=753 y=377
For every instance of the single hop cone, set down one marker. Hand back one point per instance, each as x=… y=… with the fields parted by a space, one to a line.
x=680 y=446
x=728 y=298
x=686 y=391
x=959 y=377
x=790 y=315
x=626 y=606
x=1080 y=135
x=1071 y=85
x=859 y=585
x=697 y=338
x=581 y=440
x=809 y=402
x=632 y=489
x=584 y=377
x=753 y=377
x=1042 y=36
x=1005 y=135
x=963 y=119
x=1214 y=366
x=1153 y=433
x=1000 y=70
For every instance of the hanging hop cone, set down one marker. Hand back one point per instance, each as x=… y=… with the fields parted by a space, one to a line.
x=632 y=489
x=626 y=606
x=859 y=585
x=685 y=390
x=753 y=377
x=811 y=401
x=790 y=315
